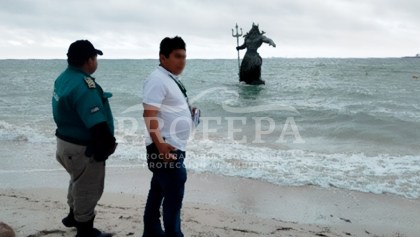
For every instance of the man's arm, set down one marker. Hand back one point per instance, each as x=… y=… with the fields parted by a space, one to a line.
x=152 y=125
x=103 y=142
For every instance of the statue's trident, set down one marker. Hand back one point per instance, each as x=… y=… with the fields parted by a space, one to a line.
x=237 y=35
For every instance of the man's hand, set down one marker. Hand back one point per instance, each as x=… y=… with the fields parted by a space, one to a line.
x=103 y=142
x=165 y=150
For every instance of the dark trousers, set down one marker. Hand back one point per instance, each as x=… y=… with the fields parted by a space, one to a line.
x=166 y=190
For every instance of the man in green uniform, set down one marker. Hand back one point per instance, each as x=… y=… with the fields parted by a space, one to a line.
x=85 y=135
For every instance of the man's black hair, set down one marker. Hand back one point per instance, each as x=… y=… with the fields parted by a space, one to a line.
x=167 y=45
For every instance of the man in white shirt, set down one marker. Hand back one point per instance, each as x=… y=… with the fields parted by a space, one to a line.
x=167 y=115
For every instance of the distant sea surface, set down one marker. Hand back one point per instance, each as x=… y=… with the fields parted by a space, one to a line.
x=347 y=123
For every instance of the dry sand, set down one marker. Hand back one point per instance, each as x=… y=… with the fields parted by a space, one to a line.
x=34 y=203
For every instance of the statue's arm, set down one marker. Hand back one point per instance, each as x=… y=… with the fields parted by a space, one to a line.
x=268 y=41
x=241 y=47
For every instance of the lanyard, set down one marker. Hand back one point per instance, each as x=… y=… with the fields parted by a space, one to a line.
x=181 y=86
x=183 y=90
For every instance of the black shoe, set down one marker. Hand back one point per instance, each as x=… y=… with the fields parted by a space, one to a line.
x=69 y=220
x=93 y=233
x=160 y=234
x=97 y=233
x=85 y=229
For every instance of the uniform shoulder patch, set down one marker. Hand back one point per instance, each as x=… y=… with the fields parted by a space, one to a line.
x=90 y=82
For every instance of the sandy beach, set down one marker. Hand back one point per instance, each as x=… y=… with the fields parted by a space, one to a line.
x=33 y=203
x=358 y=119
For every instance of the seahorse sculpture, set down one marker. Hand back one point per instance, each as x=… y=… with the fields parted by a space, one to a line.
x=250 y=71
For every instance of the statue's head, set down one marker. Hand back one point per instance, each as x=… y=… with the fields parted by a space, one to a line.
x=255 y=30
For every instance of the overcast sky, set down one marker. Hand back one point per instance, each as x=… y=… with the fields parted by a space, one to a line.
x=134 y=28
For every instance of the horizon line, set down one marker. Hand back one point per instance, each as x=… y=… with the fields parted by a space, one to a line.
x=370 y=57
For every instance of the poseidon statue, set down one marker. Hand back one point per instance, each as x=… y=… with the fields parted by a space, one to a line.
x=250 y=71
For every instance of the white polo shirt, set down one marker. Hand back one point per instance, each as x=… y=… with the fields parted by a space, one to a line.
x=174 y=116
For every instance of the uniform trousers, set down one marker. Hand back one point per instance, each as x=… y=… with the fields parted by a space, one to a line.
x=87 y=178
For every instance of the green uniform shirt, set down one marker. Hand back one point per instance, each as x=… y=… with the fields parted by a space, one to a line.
x=78 y=104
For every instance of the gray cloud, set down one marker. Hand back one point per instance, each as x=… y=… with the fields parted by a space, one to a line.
x=134 y=28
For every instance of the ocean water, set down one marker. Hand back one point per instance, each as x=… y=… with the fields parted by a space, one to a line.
x=346 y=123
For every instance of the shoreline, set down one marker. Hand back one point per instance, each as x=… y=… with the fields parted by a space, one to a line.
x=34 y=204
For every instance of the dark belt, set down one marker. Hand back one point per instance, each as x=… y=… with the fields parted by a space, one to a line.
x=71 y=139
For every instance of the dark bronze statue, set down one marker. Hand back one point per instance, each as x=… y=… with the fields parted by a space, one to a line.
x=250 y=71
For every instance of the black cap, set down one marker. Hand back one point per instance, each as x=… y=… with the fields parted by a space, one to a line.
x=82 y=50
